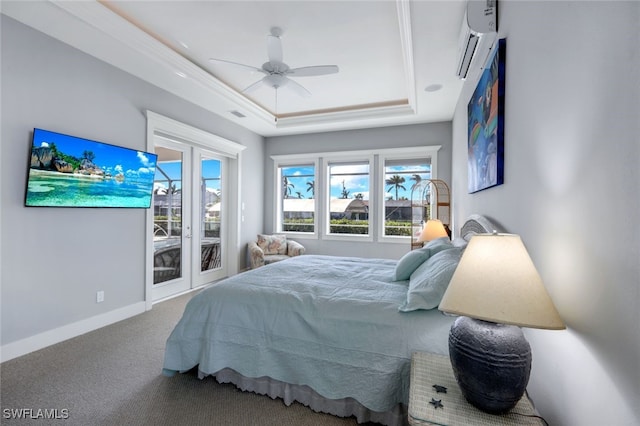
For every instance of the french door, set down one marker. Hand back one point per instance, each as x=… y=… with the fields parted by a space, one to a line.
x=189 y=231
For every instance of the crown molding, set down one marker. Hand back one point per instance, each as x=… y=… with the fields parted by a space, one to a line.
x=113 y=25
x=120 y=41
x=345 y=116
x=406 y=40
x=105 y=20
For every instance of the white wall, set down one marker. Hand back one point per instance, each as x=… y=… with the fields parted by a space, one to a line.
x=55 y=259
x=354 y=140
x=572 y=191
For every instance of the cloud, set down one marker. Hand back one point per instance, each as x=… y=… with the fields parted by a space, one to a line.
x=44 y=144
x=143 y=159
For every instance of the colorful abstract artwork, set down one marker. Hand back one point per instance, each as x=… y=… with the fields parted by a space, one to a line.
x=486 y=124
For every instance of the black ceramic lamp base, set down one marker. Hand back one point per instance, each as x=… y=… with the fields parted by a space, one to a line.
x=491 y=363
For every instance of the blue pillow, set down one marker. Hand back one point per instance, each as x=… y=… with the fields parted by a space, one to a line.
x=429 y=281
x=409 y=263
x=437 y=245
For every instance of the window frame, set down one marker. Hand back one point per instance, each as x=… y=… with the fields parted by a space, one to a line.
x=395 y=155
x=377 y=187
x=347 y=158
x=292 y=161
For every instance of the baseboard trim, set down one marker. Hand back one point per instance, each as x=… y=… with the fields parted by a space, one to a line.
x=60 y=334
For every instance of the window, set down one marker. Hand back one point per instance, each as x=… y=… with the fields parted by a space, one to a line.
x=297 y=204
x=400 y=177
x=349 y=198
x=350 y=195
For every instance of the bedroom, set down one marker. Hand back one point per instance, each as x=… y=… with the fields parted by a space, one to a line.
x=572 y=109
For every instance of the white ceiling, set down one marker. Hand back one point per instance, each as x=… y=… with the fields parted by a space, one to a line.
x=388 y=53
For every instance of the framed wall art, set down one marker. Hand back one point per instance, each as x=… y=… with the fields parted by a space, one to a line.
x=485 y=110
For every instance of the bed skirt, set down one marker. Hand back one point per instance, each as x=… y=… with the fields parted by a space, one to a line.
x=303 y=394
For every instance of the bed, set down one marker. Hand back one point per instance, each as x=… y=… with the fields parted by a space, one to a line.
x=333 y=333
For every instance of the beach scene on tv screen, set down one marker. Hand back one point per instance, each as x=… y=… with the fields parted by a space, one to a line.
x=67 y=171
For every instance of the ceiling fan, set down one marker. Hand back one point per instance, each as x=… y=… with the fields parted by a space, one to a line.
x=277 y=73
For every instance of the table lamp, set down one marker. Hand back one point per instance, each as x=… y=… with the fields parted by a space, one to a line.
x=496 y=289
x=432 y=229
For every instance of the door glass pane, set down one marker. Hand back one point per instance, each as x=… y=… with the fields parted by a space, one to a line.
x=167 y=216
x=211 y=198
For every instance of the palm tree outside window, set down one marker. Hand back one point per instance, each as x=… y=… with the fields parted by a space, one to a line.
x=401 y=176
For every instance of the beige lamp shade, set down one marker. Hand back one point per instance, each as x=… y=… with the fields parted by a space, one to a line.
x=496 y=281
x=432 y=229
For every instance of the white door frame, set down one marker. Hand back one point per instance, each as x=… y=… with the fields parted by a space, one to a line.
x=158 y=125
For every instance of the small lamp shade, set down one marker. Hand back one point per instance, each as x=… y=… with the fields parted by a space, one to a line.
x=496 y=281
x=432 y=229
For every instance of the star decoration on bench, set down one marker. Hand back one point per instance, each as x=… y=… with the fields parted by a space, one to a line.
x=440 y=389
x=437 y=403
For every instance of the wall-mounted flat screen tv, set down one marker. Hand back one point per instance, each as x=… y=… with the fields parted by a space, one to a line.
x=68 y=171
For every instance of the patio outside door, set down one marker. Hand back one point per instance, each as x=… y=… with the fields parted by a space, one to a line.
x=188 y=229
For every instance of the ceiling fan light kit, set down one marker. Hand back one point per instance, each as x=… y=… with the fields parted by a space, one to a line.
x=275 y=80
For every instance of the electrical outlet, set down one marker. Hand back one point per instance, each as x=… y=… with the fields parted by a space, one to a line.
x=100 y=296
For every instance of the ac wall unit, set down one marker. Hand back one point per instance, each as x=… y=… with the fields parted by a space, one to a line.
x=477 y=36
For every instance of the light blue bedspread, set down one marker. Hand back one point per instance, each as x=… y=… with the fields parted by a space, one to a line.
x=331 y=323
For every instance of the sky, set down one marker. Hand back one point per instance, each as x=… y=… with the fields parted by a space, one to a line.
x=210 y=169
x=111 y=158
x=300 y=175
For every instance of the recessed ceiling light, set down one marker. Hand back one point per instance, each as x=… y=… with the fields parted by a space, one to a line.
x=433 y=88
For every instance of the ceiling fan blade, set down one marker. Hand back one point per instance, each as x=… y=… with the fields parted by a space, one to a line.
x=274 y=48
x=313 y=70
x=248 y=67
x=297 y=88
x=253 y=86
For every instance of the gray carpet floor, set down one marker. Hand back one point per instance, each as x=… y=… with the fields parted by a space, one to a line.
x=112 y=376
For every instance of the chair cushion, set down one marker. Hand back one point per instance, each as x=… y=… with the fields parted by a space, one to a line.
x=272 y=244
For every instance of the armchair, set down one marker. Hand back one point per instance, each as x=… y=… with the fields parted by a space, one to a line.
x=272 y=248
